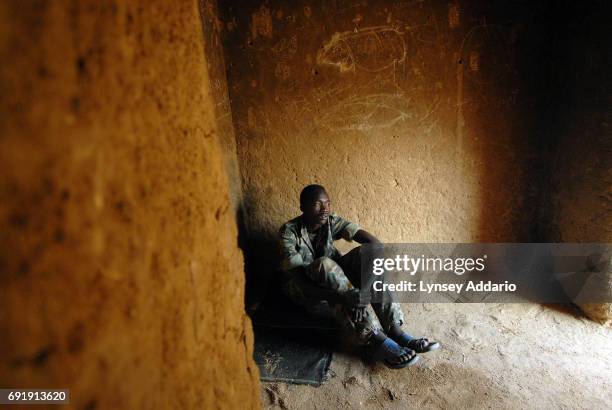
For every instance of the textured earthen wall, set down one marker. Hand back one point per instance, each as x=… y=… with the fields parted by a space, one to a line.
x=581 y=187
x=212 y=27
x=415 y=115
x=121 y=278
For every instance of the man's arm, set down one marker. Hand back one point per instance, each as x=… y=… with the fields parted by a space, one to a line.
x=312 y=291
x=290 y=257
x=365 y=237
x=293 y=266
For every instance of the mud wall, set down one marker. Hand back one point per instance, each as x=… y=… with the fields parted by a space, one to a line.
x=121 y=277
x=417 y=116
x=212 y=27
x=580 y=200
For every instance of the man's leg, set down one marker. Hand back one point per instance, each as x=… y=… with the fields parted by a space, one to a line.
x=324 y=273
x=389 y=314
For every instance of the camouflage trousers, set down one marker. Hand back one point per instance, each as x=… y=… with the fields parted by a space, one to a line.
x=340 y=276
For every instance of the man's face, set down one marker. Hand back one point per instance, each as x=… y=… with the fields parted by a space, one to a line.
x=318 y=209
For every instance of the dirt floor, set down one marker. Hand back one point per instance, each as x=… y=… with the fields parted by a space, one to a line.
x=493 y=356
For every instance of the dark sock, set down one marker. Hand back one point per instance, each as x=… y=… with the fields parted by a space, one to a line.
x=377 y=338
x=395 y=331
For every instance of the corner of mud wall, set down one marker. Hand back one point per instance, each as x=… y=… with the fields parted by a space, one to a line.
x=581 y=179
x=417 y=117
x=121 y=276
x=212 y=28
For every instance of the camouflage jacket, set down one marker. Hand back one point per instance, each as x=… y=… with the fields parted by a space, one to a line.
x=297 y=249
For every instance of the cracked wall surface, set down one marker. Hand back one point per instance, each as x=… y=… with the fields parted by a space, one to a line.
x=121 y=276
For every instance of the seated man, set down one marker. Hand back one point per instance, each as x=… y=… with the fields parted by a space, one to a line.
x=315 y=271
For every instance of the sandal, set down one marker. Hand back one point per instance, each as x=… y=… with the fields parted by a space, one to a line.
x=419 y=345
x=391 y=354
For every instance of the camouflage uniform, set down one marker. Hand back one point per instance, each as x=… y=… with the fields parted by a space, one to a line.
x=320 y=263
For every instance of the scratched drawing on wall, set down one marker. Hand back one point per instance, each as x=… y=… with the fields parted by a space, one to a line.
x=371 y=112
x=370 y=49
x=382 y=101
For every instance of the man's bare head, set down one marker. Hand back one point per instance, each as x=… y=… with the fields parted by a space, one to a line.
x=315 y=204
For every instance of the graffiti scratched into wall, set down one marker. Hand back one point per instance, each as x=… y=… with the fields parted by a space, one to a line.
x=372 y=111
x=389 y=98
x=370 y=49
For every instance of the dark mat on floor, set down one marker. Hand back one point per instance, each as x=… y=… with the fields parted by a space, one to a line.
x=292 y=346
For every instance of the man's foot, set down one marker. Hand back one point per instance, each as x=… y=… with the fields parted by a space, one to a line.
x=419 y=345
x=393 y=355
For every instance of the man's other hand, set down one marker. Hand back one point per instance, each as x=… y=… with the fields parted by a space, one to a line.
x=357 y=314
x=351 y=298
x=356 y=308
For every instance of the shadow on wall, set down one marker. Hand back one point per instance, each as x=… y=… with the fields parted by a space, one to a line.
x=261 y=256
x=559 y=93
x=499 y=92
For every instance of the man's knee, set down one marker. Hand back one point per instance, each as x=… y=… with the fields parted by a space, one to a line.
x=327 y=272
x=326 y=264
x=352 y=260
